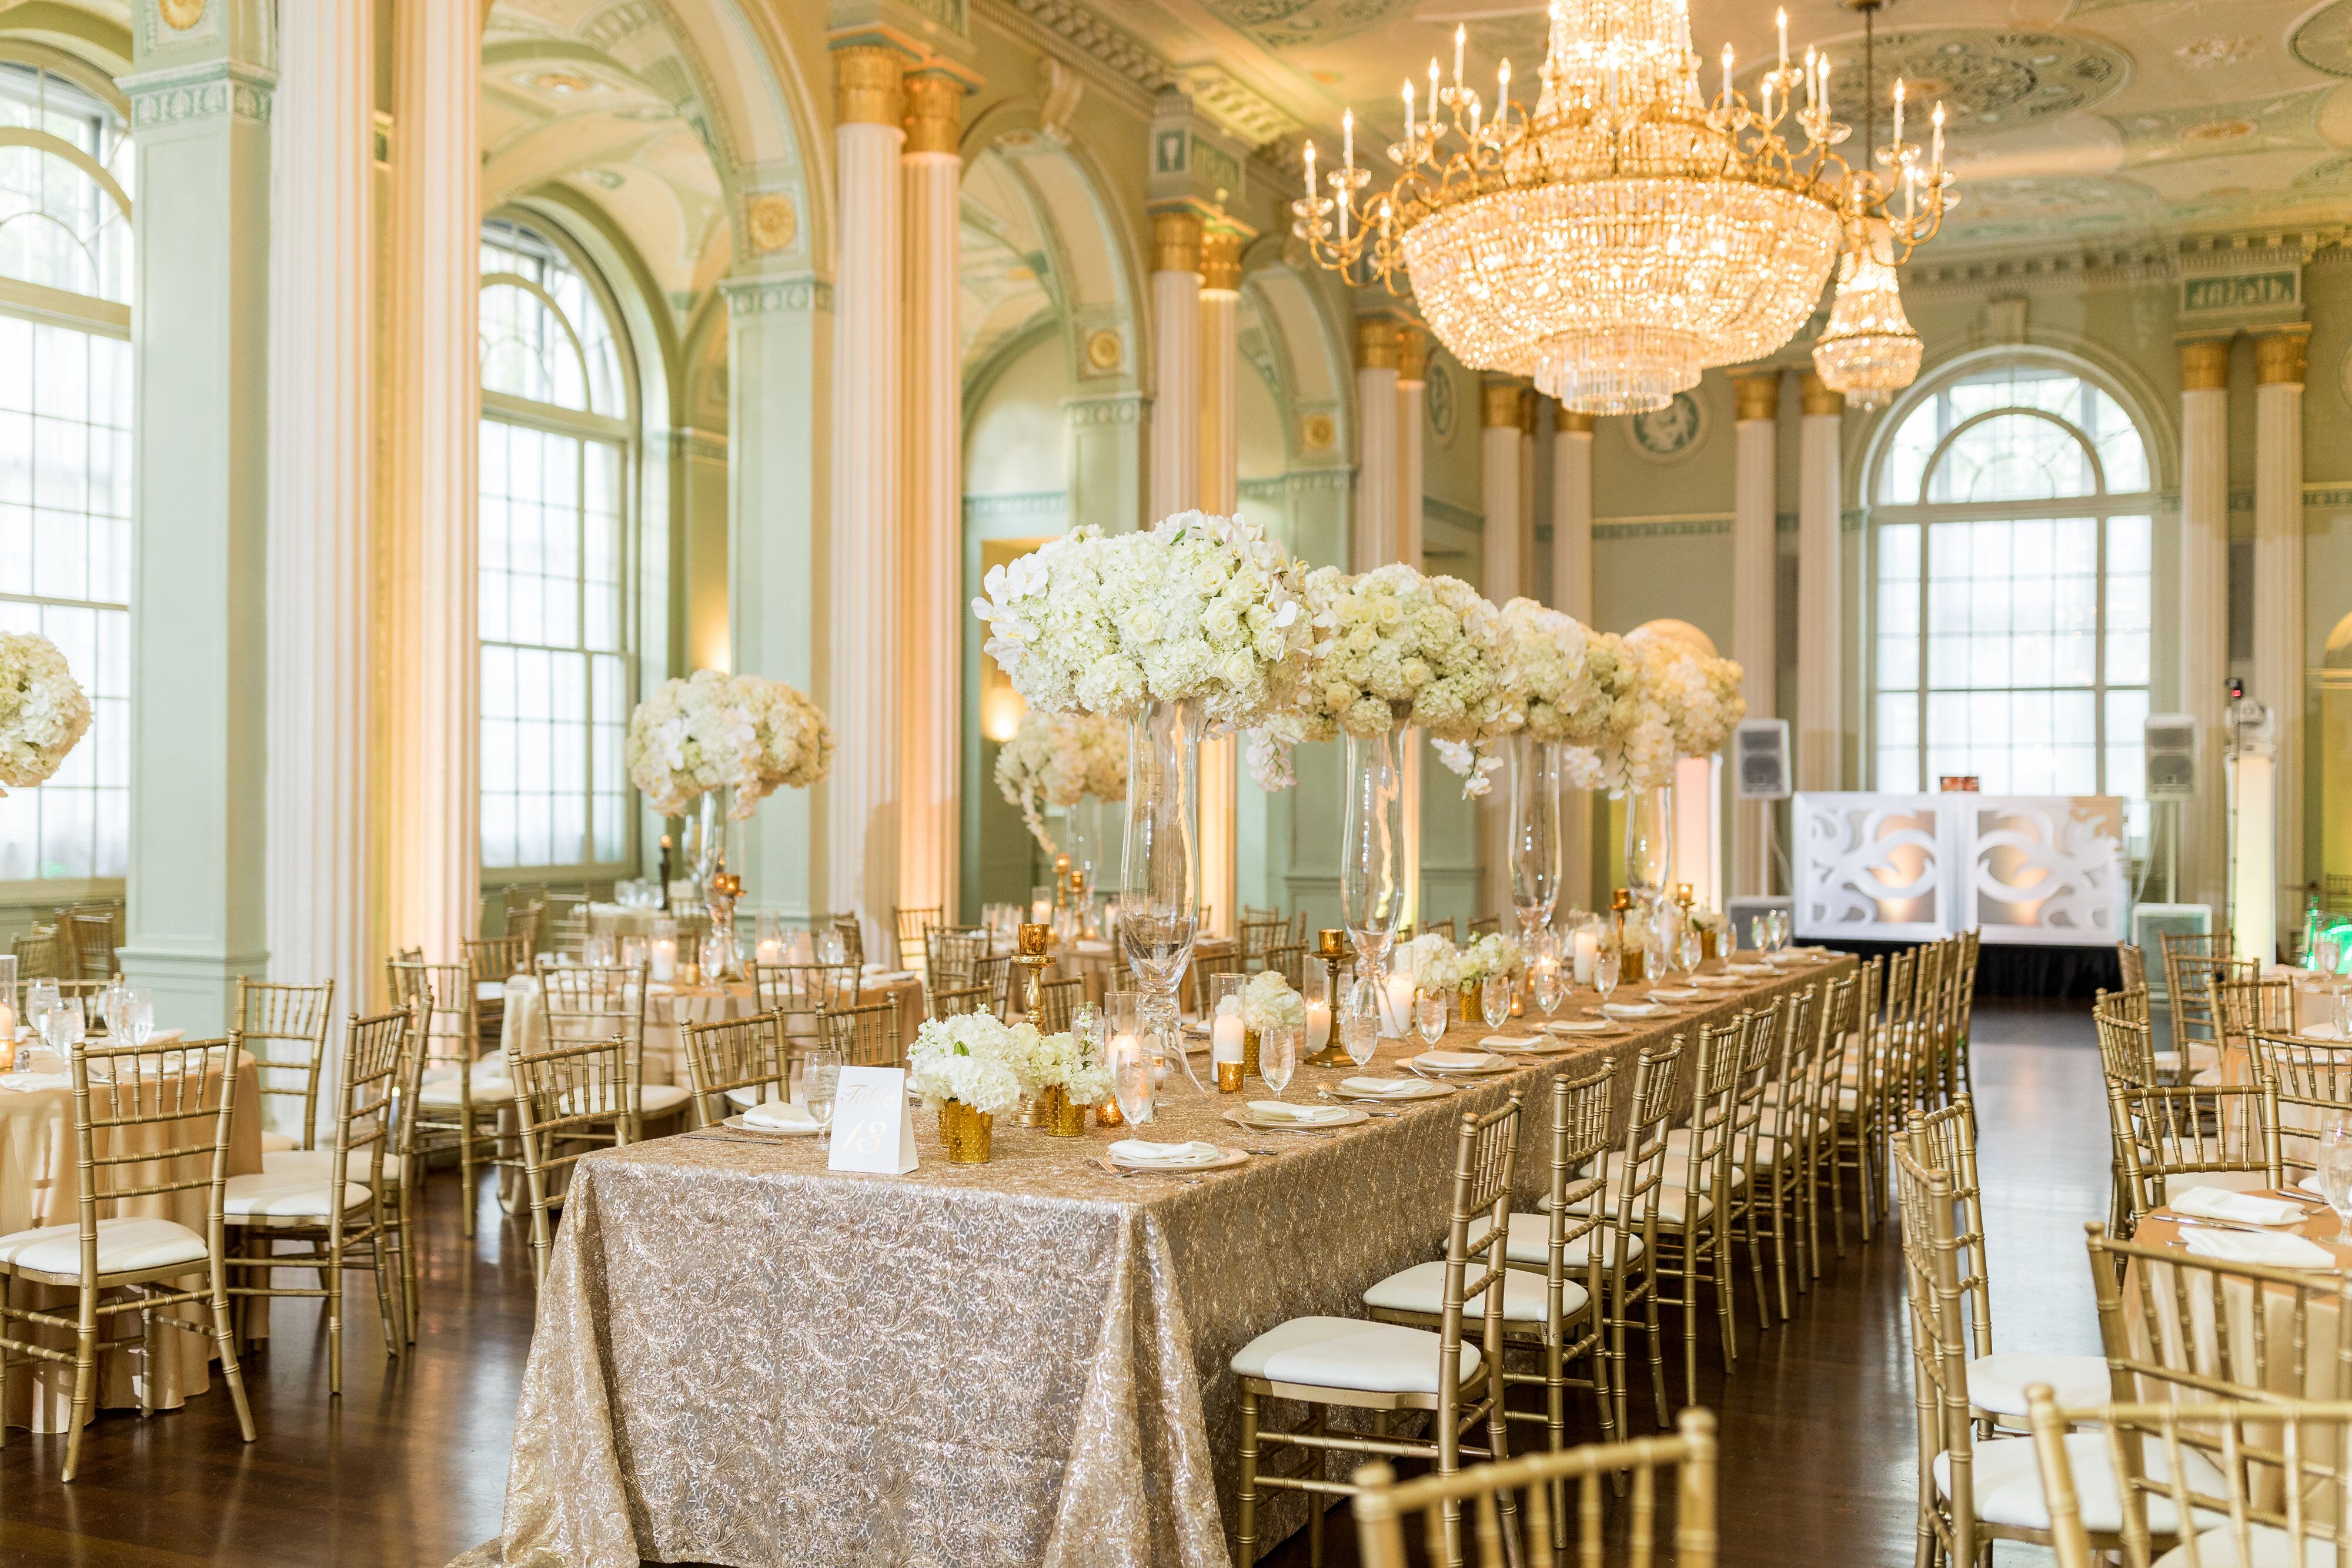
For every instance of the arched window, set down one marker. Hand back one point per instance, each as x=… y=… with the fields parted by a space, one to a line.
x=65 y=447
x=558 y=670
x=2012 y=556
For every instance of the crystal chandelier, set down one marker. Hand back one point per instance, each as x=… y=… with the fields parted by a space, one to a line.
x=1869 y=352
x=1627 y=232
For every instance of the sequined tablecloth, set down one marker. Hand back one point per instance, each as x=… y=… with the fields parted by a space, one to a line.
x=743 y=1358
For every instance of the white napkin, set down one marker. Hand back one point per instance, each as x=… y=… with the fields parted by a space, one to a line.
x=34 y=1082
x=2242 y=1208
x=1747 y=968
x=889 y=976
x=1512 y=1042
x=1402 y=1088
x=1581 y=1026
x=1143 y=1152
x=1632 y=1009
x=781 y=1116
x=2254 y=1247
x=1721 y=982
x=1671 y=993
x=1454 y=1061
x=1285 y=1110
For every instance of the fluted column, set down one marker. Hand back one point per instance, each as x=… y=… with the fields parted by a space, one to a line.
x=931 y=552
x=1754 y=631
x=432 y=845
x=1221 y=284
x=321 y=533
x=1376 y=442
x=1820 y=743
x=1572 y=594
x=2203 y=843
x=862 y=803
x=2279 y=674
x=1413 y=391
x=1498 y=489
x=1526 y=494
x=1176 y=362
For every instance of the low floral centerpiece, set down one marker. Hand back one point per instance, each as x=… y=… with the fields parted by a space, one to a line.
x=1268 y=1002
x=43 y=712
x=969 y=1067
x=1060 y=759
x=1487 y=955
x=1065 y=1075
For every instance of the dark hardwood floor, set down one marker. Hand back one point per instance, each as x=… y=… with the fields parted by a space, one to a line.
x=409 y=1466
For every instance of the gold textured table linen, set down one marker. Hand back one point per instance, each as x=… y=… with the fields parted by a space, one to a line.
x=743 y=1358
x=40 y=1184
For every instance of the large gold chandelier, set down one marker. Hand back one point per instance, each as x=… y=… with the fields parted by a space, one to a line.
x=1628 y=233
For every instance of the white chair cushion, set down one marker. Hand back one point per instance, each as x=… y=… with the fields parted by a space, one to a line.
x=1349 y=1353
x=278 y=1143
x=1529 y=1242
x=2267 y=1546
x=1672 y=1192
x=319 y=1164
x=1996 y=1384
x=272 y=1195
x=123 y=1246
x=660 y=1099
x=2008 y=1484
x=1422 y=1289
x=1675 y=1171
x=442 y=1093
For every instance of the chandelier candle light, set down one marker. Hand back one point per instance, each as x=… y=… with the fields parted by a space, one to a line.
x=1626 y=233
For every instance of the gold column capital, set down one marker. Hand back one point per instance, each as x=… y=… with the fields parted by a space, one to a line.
x=1568 y=420
x=1175 y=241
x=1526 y=410
x=1756 y=395
x=866 y=78
x=1816 y=396
x=1220 y=260
x=2204 y=363
x=2279 y=356
x=1499 y=403
x=934 y=102
x=1413 y=355
x=1376 y=343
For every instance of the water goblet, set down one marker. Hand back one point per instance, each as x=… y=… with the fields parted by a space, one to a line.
x=1429 y=1016
x=1780 y=929
x=1495 y=999
x=1688 y=950
x=1544 y=981
x=1359 y=1023
x=820 y=1079
x=1131 y=1061
x=39 y=997
x=2335 y=1164
x=1277 y=1056
x=1604 y=973
x=137 y=1021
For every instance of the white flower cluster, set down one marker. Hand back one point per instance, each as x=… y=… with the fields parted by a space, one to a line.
x=715 y=731
x=974 y=1059
x=1199 y=607
x=1627 y=739
x=1059 y=758
x=1556 y=687
x=1493 y=953
x=1430 y=961
x=1268 y=1002
x=43 y=709
x=1699 y=693
x=1069 y=1060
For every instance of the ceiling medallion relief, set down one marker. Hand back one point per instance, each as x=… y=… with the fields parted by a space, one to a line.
x=2284 y=123
x=1289 y=24
x=771 y=223
x=2323 y=41
x=181 y=15
x=1987 y=80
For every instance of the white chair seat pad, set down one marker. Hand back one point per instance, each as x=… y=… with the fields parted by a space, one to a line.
x=288 y=1195
x=278 y=1143
x=2267 y=1546
x=1351 y=1354
x=1996 y=1384
x=123 y=1246
x=1672 y=1197
x=2008 y=1484
x=660 y=1099
x=442 y=1093
x=1675 y=1171
x=1529 y=1242
x=1422 y=1289
x=319 y=1164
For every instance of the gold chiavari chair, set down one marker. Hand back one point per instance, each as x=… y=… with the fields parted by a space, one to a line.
x=285 y=1028
x=2226 y=1133
x=1857 y=1139
x=1259 y=933
x=599 y=1002
x=852 y=931
x=1445 y=926
x=337 y=1208
x=995 y=973
x=2312 y=1081
x=2286 y=1494
x=1779 y=1149
x=1057 y=1002
x=865 y=1033
x=1760 y=1036
x=913 y=926
x=573 y=1095
x=459 y=1093
x=36 y=954
x=86 y=943
x=737 y=1063
x=2239 y=1008
x=526 y=924
x=959 y=1000
x=1350 y=1364
x=1814 y=1135
x=1485 y=925
x=1203 y=969
x=2189 y=961
x=492 y=960
x=799 y=992
x=1690 y=1242
x=148 y=1123
x=1945 y=1141
x=1483 y=1492
x=2131 y=963
x=950 y=954
x=1289 y=959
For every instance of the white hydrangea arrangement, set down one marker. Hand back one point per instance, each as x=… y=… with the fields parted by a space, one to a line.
x=1430 y=961
x=1199 y=607
x=1625 y=735
x=1557 y=693
x=43 y=712
x=716 y=731
x=1492 y=954
x=976 y=1060
x=1057 y=759
x=1699 y=693
x=1268 y=1002
x=1067 y=1061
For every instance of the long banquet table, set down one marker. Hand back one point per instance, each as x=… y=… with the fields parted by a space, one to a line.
x=743 y=1358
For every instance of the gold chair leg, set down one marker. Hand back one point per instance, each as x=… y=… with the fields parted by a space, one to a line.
x=1315 y=1502
x=1245 y=1505
x=334 y=1276
x=391 y=1318
x=85 y=1369
x=149 y=1362
x=466 y=1198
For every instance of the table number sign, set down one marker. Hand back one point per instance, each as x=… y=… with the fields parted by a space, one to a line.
x=873 y=1129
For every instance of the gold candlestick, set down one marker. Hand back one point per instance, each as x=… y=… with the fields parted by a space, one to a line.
x=1332 y=947
x=1035 y=957
x=1061 y=880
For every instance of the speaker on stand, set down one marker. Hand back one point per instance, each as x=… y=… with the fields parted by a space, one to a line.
x=1759 y=771
x=2169 y=742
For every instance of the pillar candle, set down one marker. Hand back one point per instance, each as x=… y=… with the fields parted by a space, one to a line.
x=770 y=951
x=1319 y=1025
x=664 y=957
x=1588 y=949
x=1225 y=1034
x=1398 y=1006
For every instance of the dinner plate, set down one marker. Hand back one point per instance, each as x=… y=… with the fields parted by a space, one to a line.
x=1747 y=968
x=1673 y=994
x=1225 y=1158
x=1414 y=1089
x=741 y=1126
x=1242 y=1116
x=1717 y=982
x=1633 y=1009
x=1584 y=1026
x=1533 y=1047
x=1484 y=1070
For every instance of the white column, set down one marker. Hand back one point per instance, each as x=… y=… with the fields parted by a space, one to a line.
x=1572 y=594
x=1755 y=576
x=2279 y=674
x=2203 y=822
x=321 y=536
x=1527 y=496
x=1376 y=442
x=1220 y=479
x=1820 y=590
x=862 y=798
x=1498 y=491
x=432 y=849
x=931 y=553
x=1176 y=363
x=1412 y=390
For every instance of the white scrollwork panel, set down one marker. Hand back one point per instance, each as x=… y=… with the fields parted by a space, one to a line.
x=2046 y=870
x=1874 y=867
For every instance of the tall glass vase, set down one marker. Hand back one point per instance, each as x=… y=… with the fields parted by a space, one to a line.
x=1535 y=832
x=1649 y=842
x=718 y=957
x=1160 y=866
x=1085 y=829
x=1372 y=847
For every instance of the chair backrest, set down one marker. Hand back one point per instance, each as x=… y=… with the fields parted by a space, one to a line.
x=1203 y=969
x=2189 y=979
x=572 y=931
x=803 y=988
x=1723 y=1049
x=36 y=954
x=1581 y=1108
x=1649 y=1118
x=443 y=996
x=995 y=973
x=867 y=1034
x=2133 y=965
x=2164 y=1131
x=2240 y=1006
x=1934 y=1289
x=2312 y=1083
x=1482 y=1492
x=1486 y=1148
x=2257 y=1515
x=950 y=954
x=1945 y=1141
x=1487 y=926
x=2166 y=1342
x=2126 y=1042
x=367 y=1127
x=738 y=1053
x=1763 y=1043
x=148 y=1121
x=496 y=957
x=595 y=1001
x=295 y=1018
x=958 y=1001
x=86 y=943
x=1445 y=925
x=912 y=926
x=1836 y=1022
x=1259 y=932
x=1057 y=1001
x=852 y=931
x=1289 y=959
x=571 y=1096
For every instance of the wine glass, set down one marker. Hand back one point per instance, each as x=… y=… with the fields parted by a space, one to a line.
x=136 y=1022
x=1429 y=1016
x=1544 y=983
x=1495 y=998
x=1759 y=934
x=1277 y=1056
x=39 y=997
x=1688 y=950
x=1604 y=972
x=820 y=1077
x=2335 y=1168
x=1132 y=1062
x=1779 y=930
x=1359 y=1023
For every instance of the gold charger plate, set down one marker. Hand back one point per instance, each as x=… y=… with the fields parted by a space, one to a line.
x=1242 y=1116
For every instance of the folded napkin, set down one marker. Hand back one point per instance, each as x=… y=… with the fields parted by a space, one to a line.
x=1143 y=1152
x=1401 y=1088
x=1285 y=1110
x=1721 y=982
x=1632 y=1009
x=2255 y=1246
x=1511 y=1042
x=1454 y=1060
x=34 y=1082
x=2244 y=1208
x=781 y=1116
x=889 y=976
x=1747 y=968
x=1671 y=993
x=1581 y=1026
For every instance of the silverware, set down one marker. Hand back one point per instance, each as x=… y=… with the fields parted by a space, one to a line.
x=1366 y=1109
x=2184 y=1219
x=2302 y=1197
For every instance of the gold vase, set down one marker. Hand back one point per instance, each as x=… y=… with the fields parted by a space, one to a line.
x=1249 y=1055
x=1705 y=942
x=966 y=1132
x=1058 y=1116
x=1470 y=1010
x=1629 y=964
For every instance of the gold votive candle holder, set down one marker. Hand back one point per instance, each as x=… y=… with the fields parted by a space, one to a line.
x=1106 y=1115
x=1228 y=1076
x=1058 y=1116
x=966 y=1132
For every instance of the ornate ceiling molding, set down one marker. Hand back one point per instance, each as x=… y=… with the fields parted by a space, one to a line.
x=1076 y=32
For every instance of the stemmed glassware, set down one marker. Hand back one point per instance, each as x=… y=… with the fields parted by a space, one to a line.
x=1429 y=1016
x=1495 y=998
x=1359 y=1021
x=1544 y=984
x=2335 y=1168
x=1604 y=972
x=1277 y=1056
x=820 y=1079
